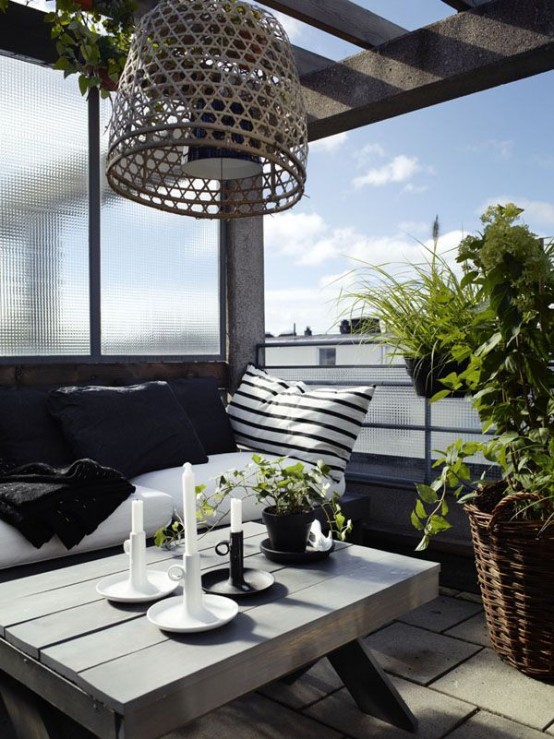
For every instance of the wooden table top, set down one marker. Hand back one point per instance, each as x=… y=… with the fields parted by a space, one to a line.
x=105 y=665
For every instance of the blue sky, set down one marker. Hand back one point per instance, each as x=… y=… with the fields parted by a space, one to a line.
x=373 y=193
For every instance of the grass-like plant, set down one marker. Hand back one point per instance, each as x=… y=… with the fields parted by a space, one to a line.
x=426 y=311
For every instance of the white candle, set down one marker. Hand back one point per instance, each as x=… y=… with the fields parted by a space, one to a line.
x=236 y=515
x=137 y=525
x=189 y=509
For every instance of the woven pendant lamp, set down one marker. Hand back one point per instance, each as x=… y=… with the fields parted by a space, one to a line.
x=209 y=118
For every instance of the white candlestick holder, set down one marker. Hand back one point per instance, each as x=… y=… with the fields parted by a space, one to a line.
x=194 y=610
x=137 y=584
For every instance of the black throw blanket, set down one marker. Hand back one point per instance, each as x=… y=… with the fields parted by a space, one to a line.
x=41 y=501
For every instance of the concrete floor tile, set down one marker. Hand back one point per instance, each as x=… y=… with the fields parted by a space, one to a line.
x=417 y=654
x=448 y=591
x=435 y=717
x=474 y=597
x=441 y=613
x=254 y=717
x=484 y=724
x=486 y=681
x=319 y=681
x=473 y=630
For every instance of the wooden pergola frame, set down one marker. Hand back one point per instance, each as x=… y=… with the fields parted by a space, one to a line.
x=485 y=44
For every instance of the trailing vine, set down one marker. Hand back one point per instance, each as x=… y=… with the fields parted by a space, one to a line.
x=92 y=40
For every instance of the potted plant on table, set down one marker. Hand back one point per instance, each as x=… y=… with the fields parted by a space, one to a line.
x=511 y=380
x=425 y=311
x=292 y=493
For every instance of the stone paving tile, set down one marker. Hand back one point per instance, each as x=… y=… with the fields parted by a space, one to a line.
x=484 y=724
x=474 y=597
x=319 y=681
x=486 y=681
x=435 y=717
x=417 y=654
x=254 y=717
x=441 y=613
x=473 y=630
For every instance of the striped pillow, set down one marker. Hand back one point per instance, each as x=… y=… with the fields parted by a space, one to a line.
x=288 y=418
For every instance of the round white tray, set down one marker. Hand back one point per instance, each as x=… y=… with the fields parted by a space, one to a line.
x=118 y=587
x=173 y=615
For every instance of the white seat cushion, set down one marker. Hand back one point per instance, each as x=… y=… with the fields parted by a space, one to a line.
x=158 y=508
x=169 y=481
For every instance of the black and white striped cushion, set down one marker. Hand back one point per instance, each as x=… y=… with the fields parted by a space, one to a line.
x=289 y=418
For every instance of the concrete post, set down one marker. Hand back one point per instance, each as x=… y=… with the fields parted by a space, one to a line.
x=244 y=272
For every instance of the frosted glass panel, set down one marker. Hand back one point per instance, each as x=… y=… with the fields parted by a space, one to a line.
x=391 y=442
x=44 y=224
x=160 y=278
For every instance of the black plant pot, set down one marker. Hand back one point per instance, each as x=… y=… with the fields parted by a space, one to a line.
x=288 y=533
x=426 y=374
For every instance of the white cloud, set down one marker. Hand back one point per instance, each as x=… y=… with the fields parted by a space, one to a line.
x=416 y=189
x=503 y=149
x=329 y=144
x=415 y=227
x=399 y=169
x=309 y=240
x=303 y=306
x=370 y=151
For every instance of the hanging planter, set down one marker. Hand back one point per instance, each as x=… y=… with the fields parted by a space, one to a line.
x=426 y=374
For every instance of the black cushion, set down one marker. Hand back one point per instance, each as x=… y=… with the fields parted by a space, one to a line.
x=132 y=429
x=28 y=433
x=202 y=402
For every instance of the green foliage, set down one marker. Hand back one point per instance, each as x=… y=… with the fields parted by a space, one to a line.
x=91 y=44
x=288 y=487
x=427 y=312
x=3 y=5
x=170 y=536
x=508 y=375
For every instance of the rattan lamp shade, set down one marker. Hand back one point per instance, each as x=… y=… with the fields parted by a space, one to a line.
x=209 y=118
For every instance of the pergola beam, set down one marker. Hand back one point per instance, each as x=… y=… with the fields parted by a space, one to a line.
x=341 y=18
x=502 y=41
x=464 y=4
x=306 y=61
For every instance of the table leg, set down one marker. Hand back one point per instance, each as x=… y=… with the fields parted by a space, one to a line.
x=34 y=718
x=370 y=686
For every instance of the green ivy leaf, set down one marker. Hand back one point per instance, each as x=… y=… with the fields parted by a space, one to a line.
x=426 y=493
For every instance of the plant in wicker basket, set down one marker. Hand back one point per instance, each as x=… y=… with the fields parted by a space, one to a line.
x=512 y=386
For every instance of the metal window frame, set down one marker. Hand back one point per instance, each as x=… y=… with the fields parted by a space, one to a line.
x=95 y=355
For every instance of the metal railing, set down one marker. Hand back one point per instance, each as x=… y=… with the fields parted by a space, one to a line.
x=402 y=432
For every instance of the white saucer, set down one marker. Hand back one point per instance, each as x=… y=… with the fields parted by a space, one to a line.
x=118 y=587
x=172 y=615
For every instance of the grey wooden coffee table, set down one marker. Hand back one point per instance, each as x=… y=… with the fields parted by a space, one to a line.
x=73 y=664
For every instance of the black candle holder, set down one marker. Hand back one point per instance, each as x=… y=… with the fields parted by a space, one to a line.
x=236 y=580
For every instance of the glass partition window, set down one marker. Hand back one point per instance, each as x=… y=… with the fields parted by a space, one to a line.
x=159 y=275
x=154 y=276
x=44 y=303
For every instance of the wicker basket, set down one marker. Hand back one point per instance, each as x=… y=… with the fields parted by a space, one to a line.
x=515 y=567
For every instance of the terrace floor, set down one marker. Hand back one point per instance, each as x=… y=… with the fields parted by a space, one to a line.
x=439 y=658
